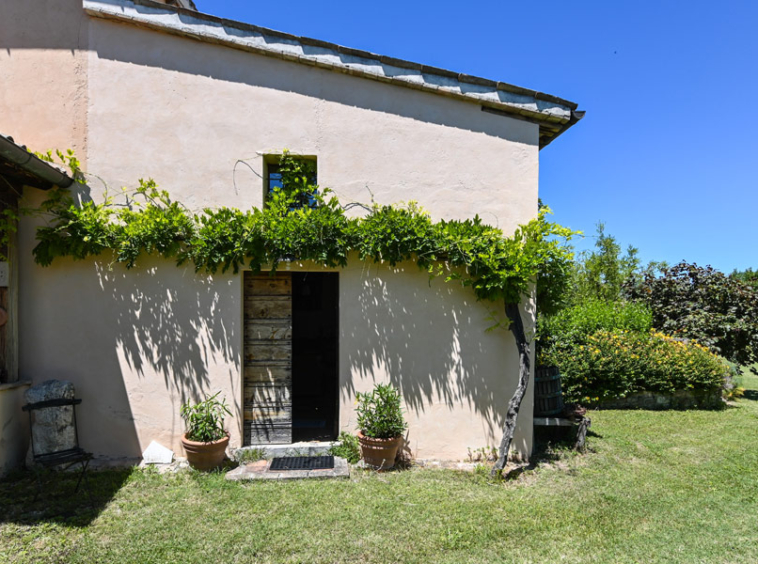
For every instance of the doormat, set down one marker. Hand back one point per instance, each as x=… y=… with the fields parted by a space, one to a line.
x=302 y=463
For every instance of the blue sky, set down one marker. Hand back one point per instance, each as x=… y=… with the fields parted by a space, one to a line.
x=666 y=155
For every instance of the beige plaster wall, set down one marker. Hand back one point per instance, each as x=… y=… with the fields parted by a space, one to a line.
x=136 y=344
x=199 y=118
x=43 y=74
x=201 y=108
x=14 y=427
x=430 y=342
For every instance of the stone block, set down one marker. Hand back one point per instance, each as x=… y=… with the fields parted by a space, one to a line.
x=52 y=428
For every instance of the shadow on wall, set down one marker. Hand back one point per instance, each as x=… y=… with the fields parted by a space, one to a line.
x=430 y=340
x=42 y=24
x=125 y=43
x=135 y=343
x=171 y=321
x=174 y=325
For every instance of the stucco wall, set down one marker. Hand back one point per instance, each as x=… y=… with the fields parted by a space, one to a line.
x=43 y=86
x=136 y=344
x=429 y=341
x=198 y=118
x=14 y=427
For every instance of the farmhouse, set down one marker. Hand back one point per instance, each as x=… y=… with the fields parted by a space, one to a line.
x=205 y=106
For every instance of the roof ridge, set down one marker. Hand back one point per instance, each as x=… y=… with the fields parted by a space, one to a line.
x=402 y=63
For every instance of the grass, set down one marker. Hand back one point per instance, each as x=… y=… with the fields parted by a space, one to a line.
x=675 y=486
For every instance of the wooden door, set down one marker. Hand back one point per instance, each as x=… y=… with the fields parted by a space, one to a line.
x=268 y=358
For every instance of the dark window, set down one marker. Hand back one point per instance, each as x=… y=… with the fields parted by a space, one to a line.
x=274 y=182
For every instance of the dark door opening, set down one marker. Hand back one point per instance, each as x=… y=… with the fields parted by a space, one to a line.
x=315 y=338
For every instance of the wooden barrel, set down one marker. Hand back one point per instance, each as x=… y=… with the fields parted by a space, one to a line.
x=548 y=397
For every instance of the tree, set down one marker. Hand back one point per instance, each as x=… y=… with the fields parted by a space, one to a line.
x=749 y=277
x=718 y=311
x=600 y=274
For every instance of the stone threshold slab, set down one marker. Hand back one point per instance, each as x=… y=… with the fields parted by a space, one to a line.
x=260 y=471
x=293 y=449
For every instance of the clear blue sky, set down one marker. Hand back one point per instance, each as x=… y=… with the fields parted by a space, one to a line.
x=668 y=152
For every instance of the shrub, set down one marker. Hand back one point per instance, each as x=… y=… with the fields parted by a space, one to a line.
x=573 y=325
x=348 y=448
x=205 y=420
x=380 y=415
x=615 y=364
x=702 y=303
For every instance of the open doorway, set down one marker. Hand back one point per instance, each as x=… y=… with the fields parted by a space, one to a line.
x=315 y=342
x=291 y=357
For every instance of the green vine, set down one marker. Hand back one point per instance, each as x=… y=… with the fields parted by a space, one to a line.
x=12 y=212
x=496 y=267
x=8 y=227
x=303 y=222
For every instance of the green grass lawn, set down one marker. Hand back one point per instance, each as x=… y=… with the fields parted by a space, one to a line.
x=679 y=486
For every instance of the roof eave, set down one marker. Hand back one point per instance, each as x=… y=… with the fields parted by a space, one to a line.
x=554 y=115
x=28 y=169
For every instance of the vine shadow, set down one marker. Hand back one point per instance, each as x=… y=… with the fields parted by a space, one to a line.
x=173 y=325
x=429 y=340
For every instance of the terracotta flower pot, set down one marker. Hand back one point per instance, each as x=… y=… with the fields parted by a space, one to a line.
x=205 y=456
x=379 y=453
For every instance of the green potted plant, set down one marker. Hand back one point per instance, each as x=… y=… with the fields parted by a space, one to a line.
x=380 y=425
x=206 y=440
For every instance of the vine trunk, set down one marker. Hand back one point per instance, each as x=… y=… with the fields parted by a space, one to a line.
x=517 y=328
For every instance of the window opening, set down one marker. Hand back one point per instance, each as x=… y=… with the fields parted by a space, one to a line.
x=274 y=182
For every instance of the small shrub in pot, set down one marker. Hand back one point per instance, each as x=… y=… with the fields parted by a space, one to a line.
x=380 y=425
x=206 y=439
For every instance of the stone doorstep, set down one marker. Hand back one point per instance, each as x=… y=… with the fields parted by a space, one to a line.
x=260 y=471
x=292 y=449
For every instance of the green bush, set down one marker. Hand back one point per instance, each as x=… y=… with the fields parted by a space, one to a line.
x=205 y=420
x=573 y=325
x=615 y=364
x=720 y=311
x=380 y=415
x=348 y=448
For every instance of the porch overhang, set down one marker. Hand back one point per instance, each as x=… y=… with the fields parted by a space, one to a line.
x=19 y=166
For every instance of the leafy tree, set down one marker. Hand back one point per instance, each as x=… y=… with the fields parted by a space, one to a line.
x=749 y=277
x=718 y=311
x=600 y=274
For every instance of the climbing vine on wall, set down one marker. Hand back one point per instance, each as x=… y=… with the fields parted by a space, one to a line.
x=11 y=213
x=497 y=267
